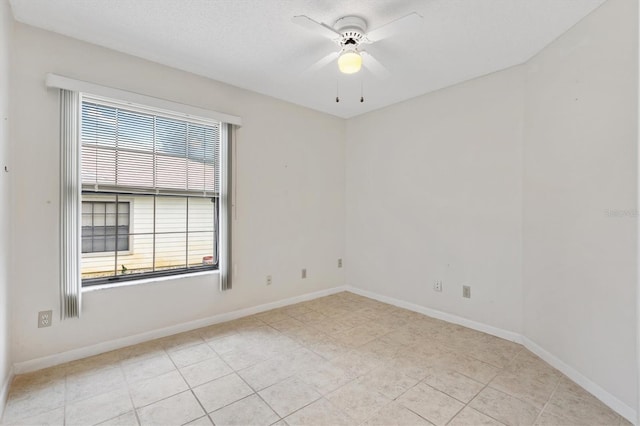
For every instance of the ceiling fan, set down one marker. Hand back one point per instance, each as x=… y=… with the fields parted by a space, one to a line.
x=350 y=33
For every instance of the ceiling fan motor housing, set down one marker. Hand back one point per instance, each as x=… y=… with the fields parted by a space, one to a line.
x=352 y=30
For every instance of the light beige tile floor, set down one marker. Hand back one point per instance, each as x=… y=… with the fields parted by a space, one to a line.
x=338 y=360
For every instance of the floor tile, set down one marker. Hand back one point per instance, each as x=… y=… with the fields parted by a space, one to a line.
x=145 y=392
x=357 y=352
x=289 y=396
x=276 y=369
x=181 y=341
x=310 y=317
x=267 y=373
x=50 y=418
x=205 y=371
x=319 y=413
x=326 y=377
x=202 y=421
x=535 y=391
x=359 y=401
x=273 y=316
x=548 y=419
x=94 y=363
x=468 y=416
x=126 y=419
x=357 y=336
x=395 y=414
x=176 y=410
x=241 y=359
x=248 y=411
x=575 y=405
x=34 y=398
x=453 y=384
x=148 y=368
x=87 y=384
x=431 y=404
x=222 y=392
x=216 y=331
x=358 y=363
x=191 y=355
x=473 y=368
x=328 y=348
x=98 y=409
x=287 y=324
x=388 y=381
x=140 y=352
x=504 y=408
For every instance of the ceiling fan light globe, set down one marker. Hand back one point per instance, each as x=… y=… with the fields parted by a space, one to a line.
x=349 y=62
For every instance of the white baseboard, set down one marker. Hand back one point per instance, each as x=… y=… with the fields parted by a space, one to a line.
x=489 y=329
x=611 y=401
x=102 y=347
x=614 y=403
x=4 y=392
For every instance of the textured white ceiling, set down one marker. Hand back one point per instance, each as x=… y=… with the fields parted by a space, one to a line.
x=254 y=45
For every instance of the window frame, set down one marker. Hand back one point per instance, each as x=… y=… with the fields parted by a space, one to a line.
x=225 y=139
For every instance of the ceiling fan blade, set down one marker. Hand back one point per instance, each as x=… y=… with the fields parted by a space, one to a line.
x=404 y=23
x=323 y=62
x=374 y=66
x=317 y=27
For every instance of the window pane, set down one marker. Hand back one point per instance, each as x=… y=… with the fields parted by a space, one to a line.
x=98 y=266
x=87 y=219
x=110 y=243
x=171 y=214
x=171 y=251
x=201 y=248
x=123 y=242
x=139 y=150
x=140 y=258
x=123 y=219
x=110 y=219
x=87 y=244
x=99 y=208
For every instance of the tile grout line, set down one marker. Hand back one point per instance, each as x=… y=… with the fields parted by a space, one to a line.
x=241 y=378
x=206 y=414
x=548 y=401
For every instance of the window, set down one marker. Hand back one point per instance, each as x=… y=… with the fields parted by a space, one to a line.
x=150 y=192
x=105 y=226
x=169 y=161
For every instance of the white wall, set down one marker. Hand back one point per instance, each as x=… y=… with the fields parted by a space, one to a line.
x=523 y=185
x=434 y=193
x=5 y=213
x=580 y=186
x=290 y=199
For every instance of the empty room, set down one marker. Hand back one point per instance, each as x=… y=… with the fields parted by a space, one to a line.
x=298 y=212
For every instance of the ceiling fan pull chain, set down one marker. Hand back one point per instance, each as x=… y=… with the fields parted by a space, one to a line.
x=361 y=91
x=337 y=91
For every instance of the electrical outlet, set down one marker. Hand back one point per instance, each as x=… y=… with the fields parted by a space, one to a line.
x=44 y=319
x=268 y=279
x=304 y=273
x=437 y=285
x=339 y=263
x=466 y=291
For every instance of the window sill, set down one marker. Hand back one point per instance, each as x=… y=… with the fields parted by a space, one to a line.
x=147 y=281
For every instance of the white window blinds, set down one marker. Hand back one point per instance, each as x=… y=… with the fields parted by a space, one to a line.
x=70 y=281
x=139 y=151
